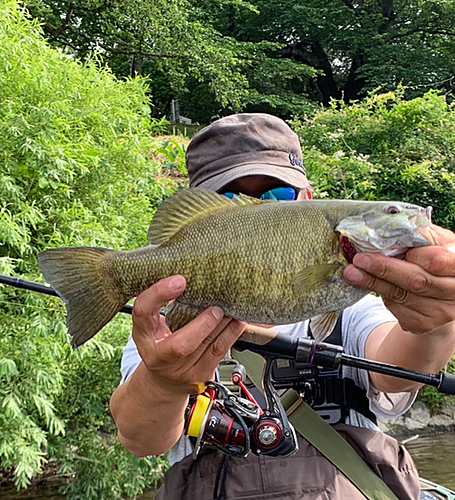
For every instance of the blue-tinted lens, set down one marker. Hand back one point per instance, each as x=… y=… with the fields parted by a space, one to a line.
x=280 y=194
x=277 y=194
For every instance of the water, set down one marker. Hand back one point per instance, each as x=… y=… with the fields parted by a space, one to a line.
x=48 y=490
x=434 y=456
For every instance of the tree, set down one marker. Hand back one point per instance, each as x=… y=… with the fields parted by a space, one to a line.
x=263 y=55
x=178 y=47
x=158 y=37
x=356 y=46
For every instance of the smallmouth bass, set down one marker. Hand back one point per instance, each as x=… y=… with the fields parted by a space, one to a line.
x=263 y=262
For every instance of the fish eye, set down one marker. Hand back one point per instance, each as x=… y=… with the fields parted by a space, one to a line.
x=393 y=210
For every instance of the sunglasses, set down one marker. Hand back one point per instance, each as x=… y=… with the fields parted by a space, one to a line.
x=277 y=194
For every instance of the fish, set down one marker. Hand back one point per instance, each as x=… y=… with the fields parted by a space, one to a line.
x=262 y=262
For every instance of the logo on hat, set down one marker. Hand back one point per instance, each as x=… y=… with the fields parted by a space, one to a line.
x=296 y=161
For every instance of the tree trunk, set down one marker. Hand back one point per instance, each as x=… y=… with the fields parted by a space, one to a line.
x=353 y=89
x=313 y=54
x=325 y=83
x=136 y=65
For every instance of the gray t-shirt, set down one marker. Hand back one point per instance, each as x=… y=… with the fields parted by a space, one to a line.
x=359 y=321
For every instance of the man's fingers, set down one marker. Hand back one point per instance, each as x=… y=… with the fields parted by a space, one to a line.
x=193 y=352
x=223 y=337
x=444 y=237
x=227 y=338
x=218 y=344
x=188 y=339
x=420 y=320
x=396 y=279
x=420 y=300
x=439 y=261
x=357 y=277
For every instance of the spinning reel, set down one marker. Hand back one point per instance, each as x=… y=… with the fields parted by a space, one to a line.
x=237 y=424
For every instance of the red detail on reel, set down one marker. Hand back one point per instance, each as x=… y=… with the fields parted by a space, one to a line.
x=222 y=429
x=268 y=434
x=237 y=379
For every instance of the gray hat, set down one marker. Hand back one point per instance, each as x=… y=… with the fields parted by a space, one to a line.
x=245 y=144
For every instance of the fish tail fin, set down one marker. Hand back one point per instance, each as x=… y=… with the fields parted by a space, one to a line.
x=79 y=277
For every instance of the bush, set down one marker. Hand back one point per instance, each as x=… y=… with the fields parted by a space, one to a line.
x=385 y=148
x=76 y=170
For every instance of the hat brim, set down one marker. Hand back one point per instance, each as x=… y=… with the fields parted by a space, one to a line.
x=288 y=175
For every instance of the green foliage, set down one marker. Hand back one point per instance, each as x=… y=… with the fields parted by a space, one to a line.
x=386 y=147
x=76 y=170
x=357 y=46
x=92 y=453
x=434 y=399
x=262 y=55
x=164 y=37
x=174 y=151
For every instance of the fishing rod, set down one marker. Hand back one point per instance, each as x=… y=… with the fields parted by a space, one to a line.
x=300 y=350
x=306 y=351
x=33 y=286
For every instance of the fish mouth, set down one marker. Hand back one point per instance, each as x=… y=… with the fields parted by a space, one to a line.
x=429 y=235
x=421 y=222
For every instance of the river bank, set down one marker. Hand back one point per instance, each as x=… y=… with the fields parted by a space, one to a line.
x=420 y=420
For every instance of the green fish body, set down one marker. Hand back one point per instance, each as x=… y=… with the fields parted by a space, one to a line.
x=262 y=262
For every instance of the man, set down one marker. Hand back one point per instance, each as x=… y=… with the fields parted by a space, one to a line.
x=255 y=154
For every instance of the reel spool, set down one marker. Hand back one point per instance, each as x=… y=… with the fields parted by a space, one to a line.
x=209 y=421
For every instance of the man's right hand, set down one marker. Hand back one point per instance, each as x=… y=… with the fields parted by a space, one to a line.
x=182 y=361
x=149 y=407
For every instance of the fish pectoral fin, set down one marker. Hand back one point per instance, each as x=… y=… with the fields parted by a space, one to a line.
x=314 y=276
x=323 y=325
x=178 y=315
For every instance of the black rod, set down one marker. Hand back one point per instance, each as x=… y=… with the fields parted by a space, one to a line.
x=33 y=286
x=395 y=371
x=308 y=351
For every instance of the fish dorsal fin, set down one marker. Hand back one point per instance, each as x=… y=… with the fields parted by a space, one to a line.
x=188 y=206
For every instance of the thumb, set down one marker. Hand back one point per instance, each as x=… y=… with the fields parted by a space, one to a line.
x=151 y=301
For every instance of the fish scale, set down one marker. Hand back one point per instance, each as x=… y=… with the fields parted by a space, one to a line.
x=260 y=261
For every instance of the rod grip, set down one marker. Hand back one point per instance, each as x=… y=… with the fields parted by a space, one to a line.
x=266 y=341
x=447 y=384
x=258 y=335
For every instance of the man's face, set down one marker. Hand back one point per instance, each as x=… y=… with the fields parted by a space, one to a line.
x=257 y=185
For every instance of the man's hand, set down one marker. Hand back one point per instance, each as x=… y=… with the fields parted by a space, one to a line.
x=419 y=291
x=182 y=361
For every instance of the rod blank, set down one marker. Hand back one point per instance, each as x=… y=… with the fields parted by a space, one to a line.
x=33 y=286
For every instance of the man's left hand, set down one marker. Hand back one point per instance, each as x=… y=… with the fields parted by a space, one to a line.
x=420 y=290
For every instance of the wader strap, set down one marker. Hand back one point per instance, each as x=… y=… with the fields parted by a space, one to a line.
x=321 y=435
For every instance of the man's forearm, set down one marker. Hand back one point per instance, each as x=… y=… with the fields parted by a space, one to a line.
x=427 y=353
x=148 y=417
